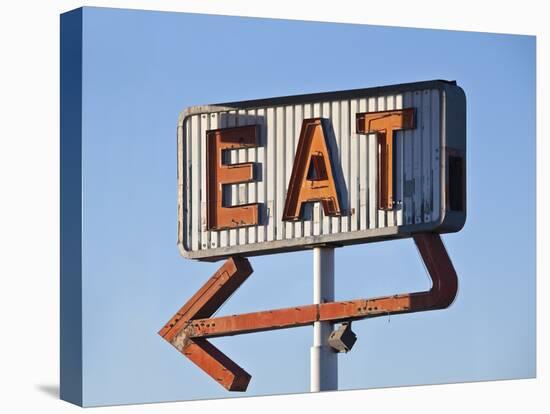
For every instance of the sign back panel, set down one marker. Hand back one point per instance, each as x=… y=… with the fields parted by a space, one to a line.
x=390 y=183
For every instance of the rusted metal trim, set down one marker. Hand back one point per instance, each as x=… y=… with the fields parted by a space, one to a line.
x=189 y=328
x=441 y=295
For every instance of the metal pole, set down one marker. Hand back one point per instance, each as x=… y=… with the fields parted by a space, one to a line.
x=324 y=361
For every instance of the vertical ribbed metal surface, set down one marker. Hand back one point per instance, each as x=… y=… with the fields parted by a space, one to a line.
x=417 y=168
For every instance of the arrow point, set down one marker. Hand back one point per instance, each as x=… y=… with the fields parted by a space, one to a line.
x=203 y=304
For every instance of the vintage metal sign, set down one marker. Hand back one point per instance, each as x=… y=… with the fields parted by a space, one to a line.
x=283 y=174
x=305 y=171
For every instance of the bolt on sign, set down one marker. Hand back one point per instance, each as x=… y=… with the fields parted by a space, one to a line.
x=347 y=167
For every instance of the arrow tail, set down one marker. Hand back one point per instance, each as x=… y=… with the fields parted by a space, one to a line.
x=216 y=364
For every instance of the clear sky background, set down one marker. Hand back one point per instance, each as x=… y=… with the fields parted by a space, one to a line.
x=142 y=68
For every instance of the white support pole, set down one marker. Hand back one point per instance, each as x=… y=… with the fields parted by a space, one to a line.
x=324 y=361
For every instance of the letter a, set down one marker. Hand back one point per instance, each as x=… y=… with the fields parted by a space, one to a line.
x=312 y=177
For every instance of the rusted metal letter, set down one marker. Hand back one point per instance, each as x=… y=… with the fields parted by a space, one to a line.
x=312 y=173
x=218 y=215
x=384 y=123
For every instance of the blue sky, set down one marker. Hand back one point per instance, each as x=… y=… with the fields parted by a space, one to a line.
x=142 y=68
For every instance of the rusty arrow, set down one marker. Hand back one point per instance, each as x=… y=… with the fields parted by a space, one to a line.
x=190 y=327
x=203 y=304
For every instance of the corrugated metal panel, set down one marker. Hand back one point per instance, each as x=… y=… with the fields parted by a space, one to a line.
x=416 y=157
